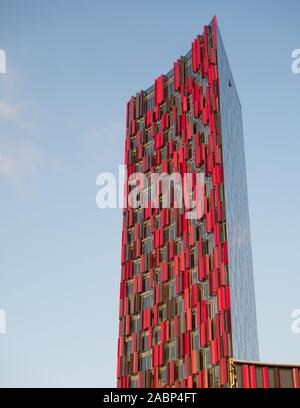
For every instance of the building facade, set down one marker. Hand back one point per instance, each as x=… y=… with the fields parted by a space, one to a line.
x=187 y=303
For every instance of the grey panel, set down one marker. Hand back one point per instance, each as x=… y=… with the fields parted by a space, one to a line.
x=243 y=311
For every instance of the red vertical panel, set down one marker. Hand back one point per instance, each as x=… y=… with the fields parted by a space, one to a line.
x=265 y=377
x=140 y=379
x=135 y=362
x=225 y=253
x=119 y=366
x=213 y=352
x=150 y=337
x=245 y=372
x=187 y=365
x=161 y=356
x=171 y=372
x=205 y=378
x=200 y=380
x=177 y=75
x=214 y=29
x=127 y=325
x=155 y=377
x=223 y=371
x=190 y=382
x=189 y=320
x=252 y=376
x=296 y=378
x=194 y=356
x=202 y=335
x=225 y=345
x=176 y=325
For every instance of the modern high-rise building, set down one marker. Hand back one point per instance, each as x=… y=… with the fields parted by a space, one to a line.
x=187 y=313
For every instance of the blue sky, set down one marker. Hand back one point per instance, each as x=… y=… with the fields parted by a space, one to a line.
x=71 y=66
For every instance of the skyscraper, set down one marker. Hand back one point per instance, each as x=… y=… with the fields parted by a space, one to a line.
x=187 y=303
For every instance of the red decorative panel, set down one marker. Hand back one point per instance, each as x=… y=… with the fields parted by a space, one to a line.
x=258 y=375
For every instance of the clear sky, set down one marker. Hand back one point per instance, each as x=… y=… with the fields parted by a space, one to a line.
x=71 y=66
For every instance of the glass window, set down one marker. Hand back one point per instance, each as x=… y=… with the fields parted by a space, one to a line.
x=164 y=254
x=163 y=377
x=170 y=88
x=130 y=235
x=149 y=149
x=147 y=231
x=146 y=283
x=137 y=324
x=196 y=340
x=146 y=362
x=195 y=276
x=171 y=352
x=136 y=267
x=180 y=370
x=179 y=247
x=157 y=276
x=147 y=301
x=133 y=382
x=145 y=340
x=139 y=215
x=156 y=335
x=170 y=289
x=128 y=347
x=172 y=232
x=148 y=246
x=157 y=222
x=205 y=292
x=164 y=152
x=129 y=288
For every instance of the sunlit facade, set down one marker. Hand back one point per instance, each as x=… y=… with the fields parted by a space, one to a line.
x=187 y=302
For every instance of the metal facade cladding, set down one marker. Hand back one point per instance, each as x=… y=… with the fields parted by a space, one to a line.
x=263 y=375
x=175 y=308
